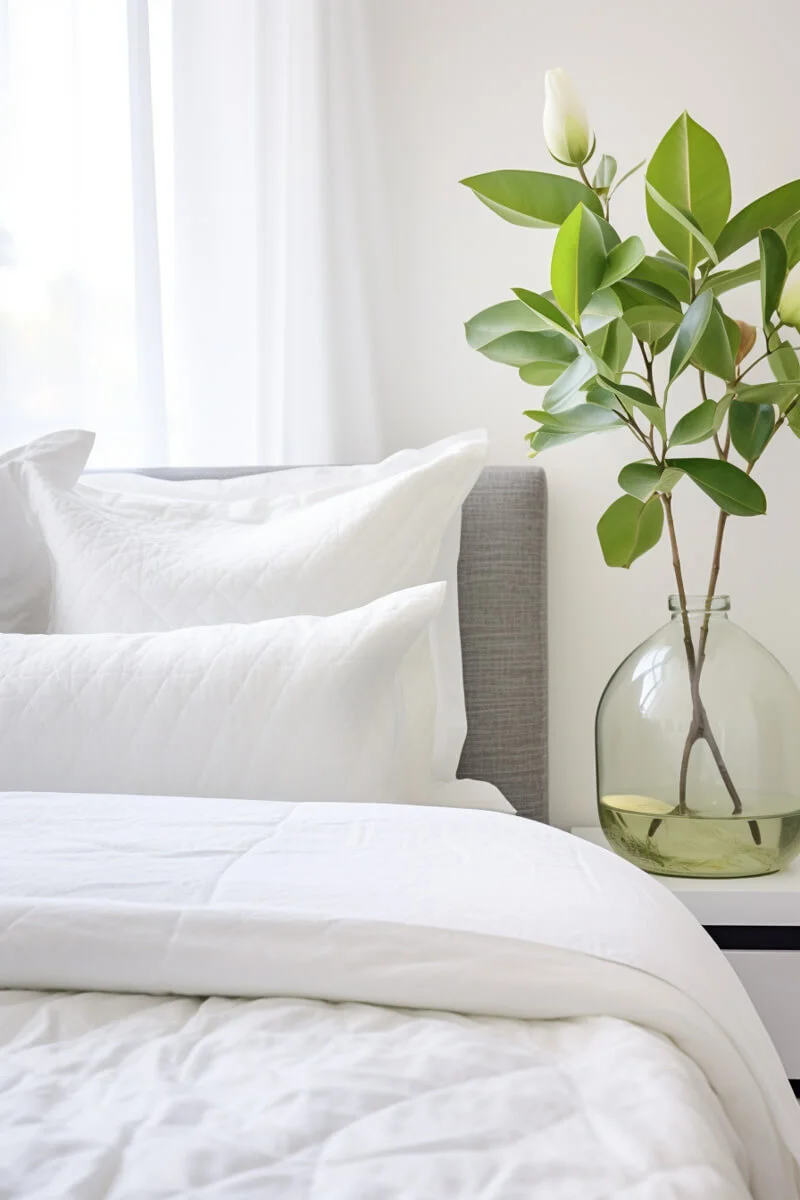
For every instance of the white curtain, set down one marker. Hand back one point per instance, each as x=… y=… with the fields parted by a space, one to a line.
x=190 y=236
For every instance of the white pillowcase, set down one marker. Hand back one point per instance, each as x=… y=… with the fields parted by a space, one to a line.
x=298 y=708
x=24 y=569
x=133 y=562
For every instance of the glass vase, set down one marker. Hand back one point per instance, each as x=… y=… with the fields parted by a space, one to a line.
x=698 y=750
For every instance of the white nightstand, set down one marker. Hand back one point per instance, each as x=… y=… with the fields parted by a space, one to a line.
x=756 y=922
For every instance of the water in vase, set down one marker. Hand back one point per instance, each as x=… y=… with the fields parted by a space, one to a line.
x=700 y=781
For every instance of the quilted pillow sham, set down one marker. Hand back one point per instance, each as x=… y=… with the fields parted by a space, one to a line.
x=296 y=708
x=298 y=486
x=24 y=570
x=126 y=562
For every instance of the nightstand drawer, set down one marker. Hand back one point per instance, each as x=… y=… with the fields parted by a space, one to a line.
x=772 y=980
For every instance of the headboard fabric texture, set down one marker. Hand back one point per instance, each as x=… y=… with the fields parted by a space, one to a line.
x=502 y=585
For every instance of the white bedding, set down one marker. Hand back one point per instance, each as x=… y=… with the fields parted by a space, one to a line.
x=308 y=708
x=124 y=562
x=604 y=1048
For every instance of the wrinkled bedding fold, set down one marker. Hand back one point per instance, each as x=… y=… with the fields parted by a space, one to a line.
x=402 y=907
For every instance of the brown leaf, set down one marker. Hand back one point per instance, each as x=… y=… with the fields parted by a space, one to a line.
x=747 y=339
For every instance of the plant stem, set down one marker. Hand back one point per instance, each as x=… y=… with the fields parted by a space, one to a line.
x=636 y=375
x=678 y=569
x=650 y=380
x=700 y=726
x=648 y=366
x=666 y=501
x=703 y=391
x=767 y=353
x=705 y=731
x=722 y=521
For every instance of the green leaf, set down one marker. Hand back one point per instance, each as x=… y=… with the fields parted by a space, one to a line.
x=636 y=293
x=604 y=175
x=623 y=259
x=551 y=316
x=629 y=391
x=513 y=349
x=688 y=176
x=603 y=307
x=519 y=349
x=533 y=198
x=512 y=333
x=612 y=345
x=512 y=316
x=597 y=394
x=541 y=373
x=696 y=426
x=652 y=322
x=716 y=350
x=765 y=213
x=792 y=241
x=691 y=329
x=773 y=263
x=684 y=220
x=727 y=485
x=549 y=439
x=585 y=418
x=561 y=393
x=769 y=393
x=720 y=282
x=578 y=262
x=723 y=406
x=644 y=479
x=629 y=528
x=636 y=397
x=666 y=257
x=794 y=420
x=651 y=312
x=751 y=427
x=661 y=343
x=671 y=277
x=628 y=174
x=784 y=363
x=639 y=479
x=670 y=478
x=610 y=236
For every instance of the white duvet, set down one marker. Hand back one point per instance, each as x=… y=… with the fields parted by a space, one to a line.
x=421 y=1003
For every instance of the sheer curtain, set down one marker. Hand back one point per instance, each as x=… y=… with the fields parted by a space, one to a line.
x=189 y=244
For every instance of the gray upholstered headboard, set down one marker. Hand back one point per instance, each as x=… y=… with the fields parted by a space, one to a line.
x=502 y=593
x=503 y=601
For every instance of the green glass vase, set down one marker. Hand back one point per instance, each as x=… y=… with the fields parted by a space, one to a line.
x=698 y=750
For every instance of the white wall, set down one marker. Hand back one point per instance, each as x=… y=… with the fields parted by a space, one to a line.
x=460 y=92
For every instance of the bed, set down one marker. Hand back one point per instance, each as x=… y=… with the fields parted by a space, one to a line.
x=247 y=998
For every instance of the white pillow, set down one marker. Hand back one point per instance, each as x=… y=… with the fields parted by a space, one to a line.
x=298 y=708
x=24 y=570
x=130 y=562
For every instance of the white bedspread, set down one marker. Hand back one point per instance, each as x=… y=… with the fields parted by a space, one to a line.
x=347 y=937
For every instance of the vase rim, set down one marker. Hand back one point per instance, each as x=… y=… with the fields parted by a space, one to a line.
x=718 y=604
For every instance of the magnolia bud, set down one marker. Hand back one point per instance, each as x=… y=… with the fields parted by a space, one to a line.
x=789 y=303
x=747 y=339
x=566 y=125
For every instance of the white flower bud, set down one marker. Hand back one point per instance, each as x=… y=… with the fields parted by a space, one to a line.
x=566 y=125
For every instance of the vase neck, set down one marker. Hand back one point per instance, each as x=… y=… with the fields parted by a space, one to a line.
x=700 y=606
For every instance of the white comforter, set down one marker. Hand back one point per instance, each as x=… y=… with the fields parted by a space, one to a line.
x=346 y=938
